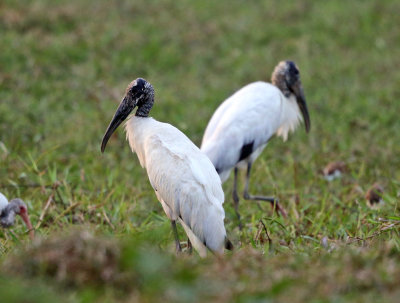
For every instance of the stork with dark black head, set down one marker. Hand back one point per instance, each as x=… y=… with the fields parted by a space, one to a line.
x=243 y=124
x=183 y=178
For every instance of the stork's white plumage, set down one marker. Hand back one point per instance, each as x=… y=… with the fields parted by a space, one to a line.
x=184 y=179
x=242 y=125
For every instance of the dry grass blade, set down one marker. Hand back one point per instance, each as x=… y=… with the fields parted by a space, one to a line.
x=261 y=228
x=44 y=211
x=66 y=211
x=108 y=220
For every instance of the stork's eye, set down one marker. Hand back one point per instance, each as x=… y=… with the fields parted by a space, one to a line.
x=22 y=209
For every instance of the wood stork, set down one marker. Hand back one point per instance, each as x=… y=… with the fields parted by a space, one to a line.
x=243 y=124
x=184 y=179
x=8 y=210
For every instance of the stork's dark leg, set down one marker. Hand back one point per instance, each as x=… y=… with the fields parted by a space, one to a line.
x=274 y=202
x=235 y=197
x=175 y=232
x=189 y=247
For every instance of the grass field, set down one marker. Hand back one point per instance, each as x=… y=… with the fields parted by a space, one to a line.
x=64 y=66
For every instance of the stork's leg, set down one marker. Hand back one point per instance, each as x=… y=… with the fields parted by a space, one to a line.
x=175 y=232
x=274 y=202
x=235 y=197
x=189 y=247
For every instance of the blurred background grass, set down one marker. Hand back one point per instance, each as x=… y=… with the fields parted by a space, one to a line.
x=65 y=65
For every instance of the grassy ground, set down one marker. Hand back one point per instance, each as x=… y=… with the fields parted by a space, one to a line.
x=64 y=68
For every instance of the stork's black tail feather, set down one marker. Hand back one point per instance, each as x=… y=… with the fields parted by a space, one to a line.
x=228 y=244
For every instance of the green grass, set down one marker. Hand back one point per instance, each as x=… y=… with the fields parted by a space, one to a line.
x=64 y=68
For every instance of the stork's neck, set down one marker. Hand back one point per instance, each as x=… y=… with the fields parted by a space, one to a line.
x=143 y=111
x=145 y=106
x=278 y=79
x=138 y=129
x=290 y=115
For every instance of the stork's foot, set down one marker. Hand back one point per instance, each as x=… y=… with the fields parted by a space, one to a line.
x=184 y=247
x=274 y=202
x=178 y=248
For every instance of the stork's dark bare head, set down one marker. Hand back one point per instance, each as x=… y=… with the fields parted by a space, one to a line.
x=139 y=93
x=286 y=76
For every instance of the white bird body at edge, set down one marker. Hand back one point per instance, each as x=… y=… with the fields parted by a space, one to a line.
x=184 y=179
x=253 y=114
x=8 y=211
x=3 y=202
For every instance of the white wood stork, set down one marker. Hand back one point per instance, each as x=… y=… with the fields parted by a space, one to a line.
x=184 y=179
x=8 y=210
x=242 y=125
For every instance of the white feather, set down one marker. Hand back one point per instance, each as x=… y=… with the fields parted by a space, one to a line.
x=184 y=179
x=290 y=117
x=3 y=202
x=253 y=114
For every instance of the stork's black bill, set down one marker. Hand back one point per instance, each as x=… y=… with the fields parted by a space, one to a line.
x=301 y=101
x=124 y=109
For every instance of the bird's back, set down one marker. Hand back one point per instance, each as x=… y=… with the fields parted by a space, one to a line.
x=182 y=176
x=6 y=217
x=3 y=202
x=248 y=117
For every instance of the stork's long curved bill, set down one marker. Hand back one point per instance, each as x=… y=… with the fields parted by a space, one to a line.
x=301 y=101
x=25 y=217
x=123 y=111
